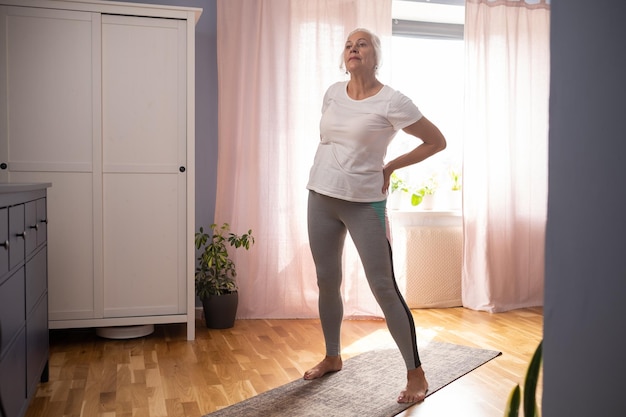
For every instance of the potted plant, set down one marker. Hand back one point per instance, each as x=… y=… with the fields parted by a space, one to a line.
x=397 y=188
x=427 y=193
x=402 y=196
x=455 y=177
x=454 y=194
x=215 y=278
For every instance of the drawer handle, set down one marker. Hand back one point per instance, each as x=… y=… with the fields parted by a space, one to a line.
x=23 y=234
x=35 y=226
x=5 y=244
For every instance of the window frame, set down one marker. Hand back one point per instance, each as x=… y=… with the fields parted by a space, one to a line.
x=440 y=169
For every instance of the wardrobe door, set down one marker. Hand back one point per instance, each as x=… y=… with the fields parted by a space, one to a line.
x=49 y=74
x=144 y=165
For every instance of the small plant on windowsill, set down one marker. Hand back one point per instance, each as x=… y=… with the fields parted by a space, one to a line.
x=455 y=177
x=430 y=186
x=397 y=189
x=215 y=276
x=453 y=193
x=426 y=193
x=398 y=184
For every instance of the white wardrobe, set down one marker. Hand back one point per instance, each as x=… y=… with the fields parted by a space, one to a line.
x=97 y=98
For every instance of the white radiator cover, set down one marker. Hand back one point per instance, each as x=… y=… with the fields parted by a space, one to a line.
x=428 y=250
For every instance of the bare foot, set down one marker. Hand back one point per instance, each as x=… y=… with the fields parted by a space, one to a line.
x=416 y=387
x=328 y=364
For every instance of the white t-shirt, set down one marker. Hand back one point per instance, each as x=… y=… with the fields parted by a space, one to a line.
x=354 y=135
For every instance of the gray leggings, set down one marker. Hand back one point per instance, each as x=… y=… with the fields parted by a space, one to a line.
x=328 y=221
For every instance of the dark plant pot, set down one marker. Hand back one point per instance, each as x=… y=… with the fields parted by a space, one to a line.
x=220 y=310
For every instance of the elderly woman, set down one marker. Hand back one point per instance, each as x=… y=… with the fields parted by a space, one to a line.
x=348 y=186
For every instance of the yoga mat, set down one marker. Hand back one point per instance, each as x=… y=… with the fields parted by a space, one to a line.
x=367 y=386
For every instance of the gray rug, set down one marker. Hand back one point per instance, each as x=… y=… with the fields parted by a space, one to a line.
x=367 y=386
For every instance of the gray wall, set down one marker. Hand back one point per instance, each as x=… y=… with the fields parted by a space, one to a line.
x=585 y=297
x=206 y=105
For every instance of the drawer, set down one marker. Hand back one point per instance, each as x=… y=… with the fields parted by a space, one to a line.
x=36 y=278
x=37 y=338
x=42 y=222
x=4 y=241
x=13 y=377
x=16 y=235
x=30 y=227
x=12 y=307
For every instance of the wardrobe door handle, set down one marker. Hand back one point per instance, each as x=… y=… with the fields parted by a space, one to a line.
x=35 y=226
x=23 y=234
x=5 y=244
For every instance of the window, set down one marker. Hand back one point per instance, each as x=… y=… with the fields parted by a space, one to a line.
x=426 y=64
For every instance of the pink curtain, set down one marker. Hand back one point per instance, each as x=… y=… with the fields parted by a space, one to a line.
x=275 y=60
x=505 y=159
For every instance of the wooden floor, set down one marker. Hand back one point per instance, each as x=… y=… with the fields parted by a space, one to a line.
x=163 y=374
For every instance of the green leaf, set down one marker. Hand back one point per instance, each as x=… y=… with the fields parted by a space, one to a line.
x=512 y=405
x=530 y=384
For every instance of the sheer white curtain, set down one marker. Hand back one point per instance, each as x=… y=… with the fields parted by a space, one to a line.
x=275 y=60
x=505 y=160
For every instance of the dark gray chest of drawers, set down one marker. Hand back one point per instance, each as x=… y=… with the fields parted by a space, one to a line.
x=24 y=345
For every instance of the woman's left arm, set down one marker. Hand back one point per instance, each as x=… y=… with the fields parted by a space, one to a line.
x=432 y=139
